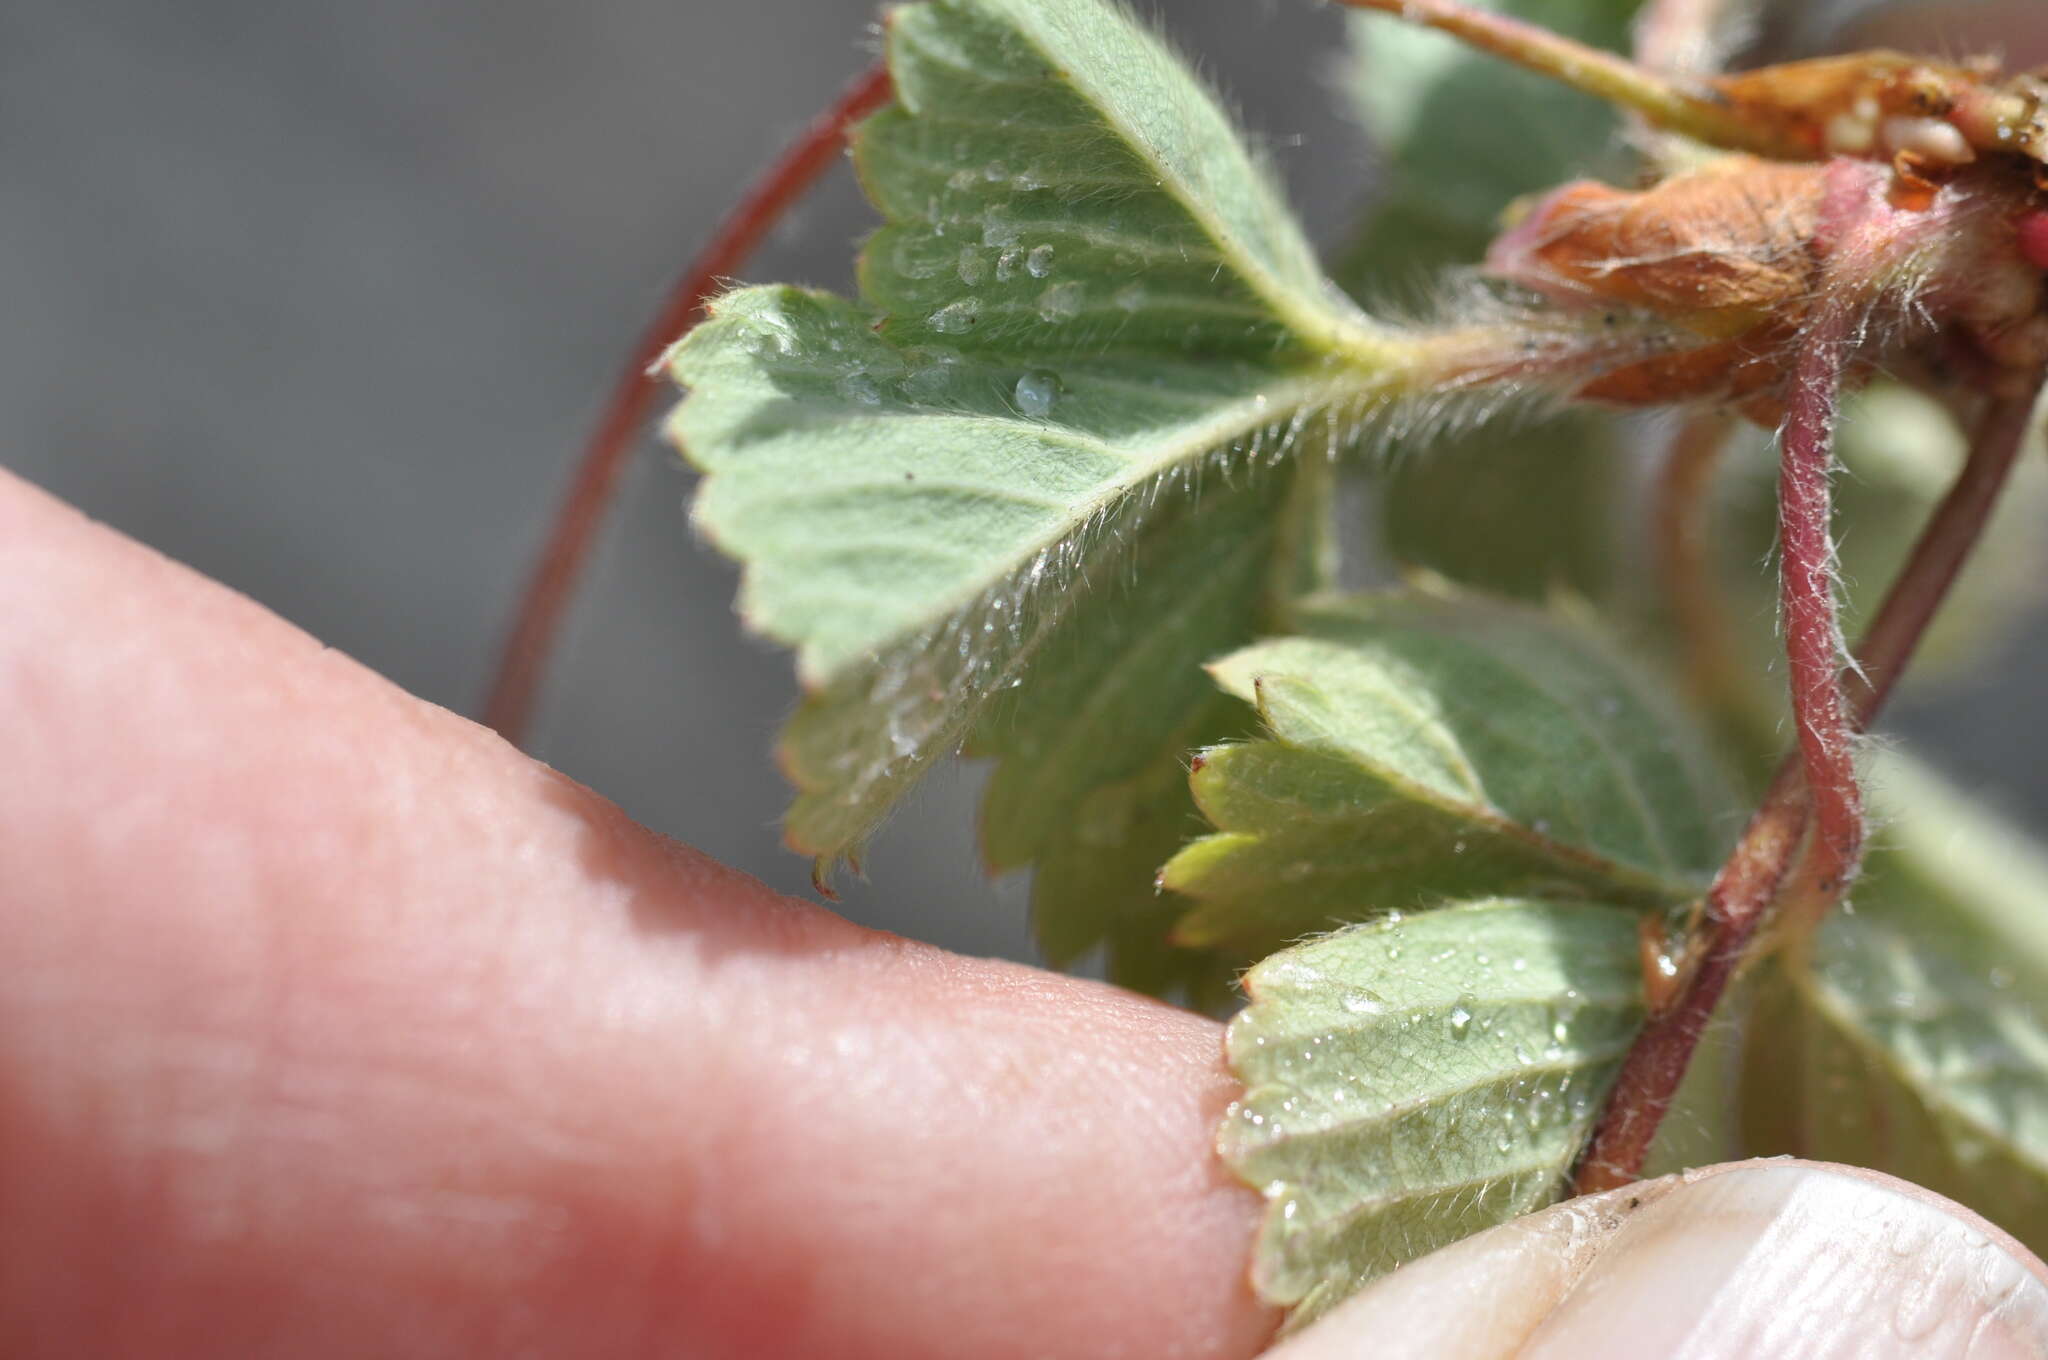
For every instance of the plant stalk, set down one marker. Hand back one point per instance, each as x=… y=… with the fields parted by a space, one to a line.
x=1751 y=879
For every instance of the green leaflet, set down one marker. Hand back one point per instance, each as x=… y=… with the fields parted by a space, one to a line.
x=1427 y=747
x=1915 y=1039
x=1091 y=783
x=1087 y=328
x=1416 y=1080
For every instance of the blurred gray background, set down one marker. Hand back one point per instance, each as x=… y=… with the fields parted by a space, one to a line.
x=320 y=298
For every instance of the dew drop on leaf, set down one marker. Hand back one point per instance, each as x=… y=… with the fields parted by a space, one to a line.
x=973 y=266
x=1039 y=261
x=1036 y=392
x=1461 y=1019
x=955 y=317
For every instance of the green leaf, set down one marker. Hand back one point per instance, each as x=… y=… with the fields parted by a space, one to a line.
x=1914 y=1039
x=1086 y=312
x=1416 y=1080
x=1091 y=783
x=1427 y=747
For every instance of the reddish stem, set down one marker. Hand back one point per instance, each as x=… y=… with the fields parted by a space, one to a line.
x=1806 y=587
x=1751 y=879
x=581 y=510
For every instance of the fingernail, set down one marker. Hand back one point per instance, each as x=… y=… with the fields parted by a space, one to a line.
x=1796 y=1260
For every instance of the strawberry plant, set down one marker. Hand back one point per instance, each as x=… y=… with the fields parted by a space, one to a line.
x=1489 y=849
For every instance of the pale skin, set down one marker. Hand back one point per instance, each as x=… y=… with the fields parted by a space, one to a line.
x=332 y=1025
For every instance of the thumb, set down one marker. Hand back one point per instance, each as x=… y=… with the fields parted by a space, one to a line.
x=1755 y=1259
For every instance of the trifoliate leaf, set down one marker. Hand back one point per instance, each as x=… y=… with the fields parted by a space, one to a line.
x=1914 y=1037
x=1416 y=1080
x=1426 y=747
x=1087 y=309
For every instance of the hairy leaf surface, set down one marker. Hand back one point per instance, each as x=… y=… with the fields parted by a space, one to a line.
x=1418 y=1079
x=1915 y=1038
x=1087 y=332
x=1426 y=747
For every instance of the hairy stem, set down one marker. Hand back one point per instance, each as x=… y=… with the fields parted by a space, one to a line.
x=1806 y=587
x=580 y=512
x=1754 y=873
x=1664 y=102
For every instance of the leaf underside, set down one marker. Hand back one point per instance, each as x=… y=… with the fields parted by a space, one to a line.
x=1428 y=746
x=1088 y=334
x=1415 y=1080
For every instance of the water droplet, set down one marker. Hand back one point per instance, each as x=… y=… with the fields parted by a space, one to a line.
x=1461 y=1019
x=1061 y=302
x=1130 y=297
x=955 y=317
x=1457 y=847
x=995 y=172
x=1364 y=1003
x=1039 y=261
x=2001 y=978
x=961 y=180
x=1035 y=394
x=1006 y=266
x=1519 y=963
x=859 y=387
x=973 y=266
